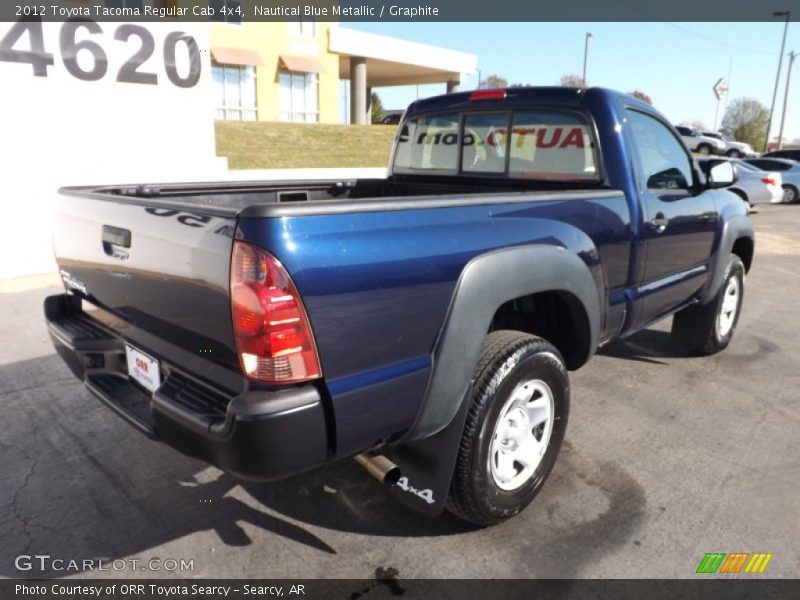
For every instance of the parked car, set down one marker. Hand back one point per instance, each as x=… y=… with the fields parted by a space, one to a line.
x=423 y=323
x=790 y=173
x=392 y=117
x=753 y=185
x=733 y=148
x=790 y=153
x=697 y=142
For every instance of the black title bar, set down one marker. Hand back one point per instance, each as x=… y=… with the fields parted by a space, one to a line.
x=398 y=10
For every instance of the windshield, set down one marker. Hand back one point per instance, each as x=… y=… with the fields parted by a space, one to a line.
x=542 y=145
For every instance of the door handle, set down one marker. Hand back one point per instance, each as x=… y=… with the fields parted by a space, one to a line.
x=659 y=223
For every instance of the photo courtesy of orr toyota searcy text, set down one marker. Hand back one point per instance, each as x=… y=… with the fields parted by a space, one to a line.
x=158 y=590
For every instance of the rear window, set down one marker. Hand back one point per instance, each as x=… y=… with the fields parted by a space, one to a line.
x=542 y=145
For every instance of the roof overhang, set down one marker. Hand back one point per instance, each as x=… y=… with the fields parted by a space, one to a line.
x=391 y=61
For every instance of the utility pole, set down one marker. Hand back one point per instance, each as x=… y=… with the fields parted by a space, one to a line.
x=786 y=14
x=479 y=79
x=586 y=55
x=792 y=56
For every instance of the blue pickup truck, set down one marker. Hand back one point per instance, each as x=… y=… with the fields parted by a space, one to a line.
x=423 y=323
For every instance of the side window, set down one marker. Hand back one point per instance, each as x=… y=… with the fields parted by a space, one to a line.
x=664 y=160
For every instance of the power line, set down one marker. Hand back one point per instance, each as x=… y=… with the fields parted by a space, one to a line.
x=658 y=19
x=716 y=41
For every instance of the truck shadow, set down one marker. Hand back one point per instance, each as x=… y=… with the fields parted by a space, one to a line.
x=78 y=483
x=648 y=346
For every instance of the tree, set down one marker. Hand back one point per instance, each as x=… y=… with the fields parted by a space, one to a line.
x=377 y=108
x=695 y=124
x=571 y=80
x=746 y=120
x=493 y=81
x=641 y=96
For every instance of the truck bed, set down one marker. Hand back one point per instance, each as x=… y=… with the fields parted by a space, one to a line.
x=229 y=198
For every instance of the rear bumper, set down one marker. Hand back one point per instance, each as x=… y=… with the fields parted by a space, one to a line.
x=257 y=434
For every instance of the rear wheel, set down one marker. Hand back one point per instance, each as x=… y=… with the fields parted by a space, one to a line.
x=514 y=428
x=704 y=149
x=708 y=328
x=734 y=153
x=790 y=194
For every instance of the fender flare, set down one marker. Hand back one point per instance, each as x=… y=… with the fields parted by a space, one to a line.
x=486 y=283
x=734 y=228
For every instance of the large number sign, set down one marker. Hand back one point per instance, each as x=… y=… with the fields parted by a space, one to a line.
x=96 y=103
x=131 y=71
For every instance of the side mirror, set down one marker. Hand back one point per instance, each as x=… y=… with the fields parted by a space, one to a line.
x=719 y=173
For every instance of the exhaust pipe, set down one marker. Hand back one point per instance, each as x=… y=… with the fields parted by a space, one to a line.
x=380 y=467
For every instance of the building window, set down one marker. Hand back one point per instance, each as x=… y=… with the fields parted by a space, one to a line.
x=235 y=91
x=303 y=28
x=299 y=98
x=226 y=11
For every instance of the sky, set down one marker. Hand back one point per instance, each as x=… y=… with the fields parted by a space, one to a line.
x=676 y=64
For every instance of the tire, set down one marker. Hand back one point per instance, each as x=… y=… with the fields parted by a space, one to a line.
x=709 y=328
x=790 y=194
x=733 y=153
x=512 y=366
x=704 y=149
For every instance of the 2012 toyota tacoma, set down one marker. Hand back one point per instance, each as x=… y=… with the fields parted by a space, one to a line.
x=423 y=323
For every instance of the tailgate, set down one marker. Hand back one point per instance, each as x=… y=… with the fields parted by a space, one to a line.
x=162 y=270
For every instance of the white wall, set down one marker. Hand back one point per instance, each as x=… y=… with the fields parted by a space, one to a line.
x=60 y=130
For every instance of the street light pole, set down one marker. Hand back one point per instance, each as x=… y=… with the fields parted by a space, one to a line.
x=786 y=14
x=585 y=56
x=792 y=56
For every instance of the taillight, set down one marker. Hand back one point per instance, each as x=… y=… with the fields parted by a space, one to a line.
x=768 y=180
x=492 y=94
x=273 y=336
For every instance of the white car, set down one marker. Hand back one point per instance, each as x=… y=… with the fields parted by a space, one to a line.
x=752 y=185
x=757 y=186
x=733 y=148
x=790 y=173
x=697 y=142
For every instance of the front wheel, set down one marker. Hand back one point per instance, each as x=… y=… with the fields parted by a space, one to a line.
x=514 y=428
x=734 y=154
x=708 y=328
x=704 y=149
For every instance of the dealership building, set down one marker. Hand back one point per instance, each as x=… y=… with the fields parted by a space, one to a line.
x=292 y=71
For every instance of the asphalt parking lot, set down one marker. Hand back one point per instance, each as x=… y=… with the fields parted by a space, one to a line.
x=667 y=457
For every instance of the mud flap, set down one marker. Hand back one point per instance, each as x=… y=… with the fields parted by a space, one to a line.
x=426 y=467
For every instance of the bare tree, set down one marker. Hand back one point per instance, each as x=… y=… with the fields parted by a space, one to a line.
x=695 y=124
x=746 y=120
x=641 y=96
x=571 y=80
x=494 y=81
